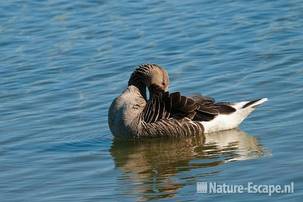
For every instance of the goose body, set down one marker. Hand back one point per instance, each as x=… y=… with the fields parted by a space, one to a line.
x=170 y=114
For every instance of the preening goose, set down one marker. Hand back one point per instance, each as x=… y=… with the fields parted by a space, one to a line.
x=170 y=114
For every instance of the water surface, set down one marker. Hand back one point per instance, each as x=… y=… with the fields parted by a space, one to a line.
x=63 y=62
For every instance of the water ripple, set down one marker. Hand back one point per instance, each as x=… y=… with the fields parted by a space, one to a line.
x=62 y=63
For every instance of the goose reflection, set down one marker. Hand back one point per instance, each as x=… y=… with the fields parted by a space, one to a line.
x=150 y=164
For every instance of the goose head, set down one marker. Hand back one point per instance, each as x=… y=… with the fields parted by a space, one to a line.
x=151 y=76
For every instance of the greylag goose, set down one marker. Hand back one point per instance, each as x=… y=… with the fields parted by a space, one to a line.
x=132 y=114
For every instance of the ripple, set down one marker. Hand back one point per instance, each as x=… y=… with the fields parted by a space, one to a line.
x=63 y=62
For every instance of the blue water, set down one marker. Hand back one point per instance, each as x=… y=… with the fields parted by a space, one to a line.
x=62 y=63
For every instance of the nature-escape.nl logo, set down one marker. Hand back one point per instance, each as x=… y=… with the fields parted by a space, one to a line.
x=250 y=187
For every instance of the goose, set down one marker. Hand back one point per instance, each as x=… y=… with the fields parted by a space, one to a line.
x=132 y=114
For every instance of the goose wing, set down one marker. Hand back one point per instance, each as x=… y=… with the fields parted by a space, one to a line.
x=169 y=115
x=163 y=105
x=208 y=109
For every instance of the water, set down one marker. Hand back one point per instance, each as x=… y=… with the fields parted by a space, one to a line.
x=62 y=63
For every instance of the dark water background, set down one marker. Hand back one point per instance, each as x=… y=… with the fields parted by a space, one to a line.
x=62 y=62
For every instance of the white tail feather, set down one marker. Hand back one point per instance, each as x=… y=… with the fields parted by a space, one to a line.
x=233 y=120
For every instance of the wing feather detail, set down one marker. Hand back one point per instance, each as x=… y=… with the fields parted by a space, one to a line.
x=171 y=114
